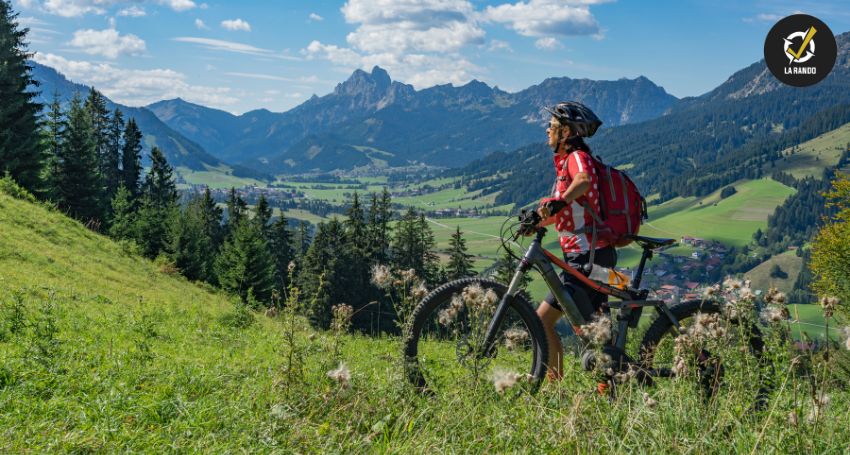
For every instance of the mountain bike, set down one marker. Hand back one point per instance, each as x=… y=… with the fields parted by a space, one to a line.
x=475 y=329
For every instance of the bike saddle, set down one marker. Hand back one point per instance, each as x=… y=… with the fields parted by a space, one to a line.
x=650 y=243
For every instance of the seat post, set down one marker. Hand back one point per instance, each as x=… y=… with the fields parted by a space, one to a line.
x=647 y=254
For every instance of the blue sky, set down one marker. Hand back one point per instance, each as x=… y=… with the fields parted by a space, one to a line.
x=244 y=55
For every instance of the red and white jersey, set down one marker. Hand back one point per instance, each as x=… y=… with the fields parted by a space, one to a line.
x=574 y=218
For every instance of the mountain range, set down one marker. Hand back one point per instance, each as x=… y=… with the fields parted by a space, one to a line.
x=369 y=119
x=179 y=150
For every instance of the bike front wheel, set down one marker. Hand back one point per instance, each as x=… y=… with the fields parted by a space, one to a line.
x=444 y=345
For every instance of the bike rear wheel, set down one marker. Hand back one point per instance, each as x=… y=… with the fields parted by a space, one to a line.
x=444 y=343
x=711 y=344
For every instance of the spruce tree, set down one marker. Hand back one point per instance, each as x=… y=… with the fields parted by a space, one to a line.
x=505 y=269
x=302 y=238
x=413 y=246
x=244 y=266
x=281 y=244
x=358 y=264
x=211 y=216
x=189 y=245
x=159 y=204
x=53 y=132
x=378 y=227
x=263 y=214
x=328 y=258
x=111 y=160
x=20 y=146
x=95 y=106
x=236 y=210
x=460 y=262
x=78 y=188
x=124 y=215
x=131 y=159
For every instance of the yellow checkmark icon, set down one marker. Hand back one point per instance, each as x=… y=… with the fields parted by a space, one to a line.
x=799 y=53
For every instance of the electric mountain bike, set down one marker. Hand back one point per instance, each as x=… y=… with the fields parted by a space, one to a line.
x=475 y=329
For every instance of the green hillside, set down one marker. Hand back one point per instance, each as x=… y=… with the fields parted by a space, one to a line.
x=105 y=352
x=732 y=220
x=813 y=156
x=788 y=262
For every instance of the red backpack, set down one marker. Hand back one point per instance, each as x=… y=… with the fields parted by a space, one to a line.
x=622 y=208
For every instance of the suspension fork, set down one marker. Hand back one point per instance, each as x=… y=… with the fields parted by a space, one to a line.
x=502 y=308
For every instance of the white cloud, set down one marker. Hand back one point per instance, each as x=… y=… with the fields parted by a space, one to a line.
x=270 y=77
x=548 y=43
x=236 y=24
x=498 y=45
x=412 y=25
x=75 y=8
x=108 y=43
x=138 y=87
x=420 y=70
x=316 y=17
x=230 y=46
x=201 y=25
x=546 y=17
x=132 y=11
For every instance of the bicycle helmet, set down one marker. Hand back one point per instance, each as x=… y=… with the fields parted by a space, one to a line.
x=581 y=120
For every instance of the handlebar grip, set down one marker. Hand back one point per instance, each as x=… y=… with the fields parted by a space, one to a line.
x=555 y=206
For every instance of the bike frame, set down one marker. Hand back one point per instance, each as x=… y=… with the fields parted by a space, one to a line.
x=541 y=259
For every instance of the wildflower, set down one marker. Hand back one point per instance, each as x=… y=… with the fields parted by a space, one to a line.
x=477 y=298
x=503 y=380
x=649 y=401
x=420 y=291
x=711 y=291
x=341 y=317
x=472 y=293
x=707 y=327
x=291 y=267
x=341 y=375
x=381 y=276
x=829 y=305
x=448 y=315
x=732 y=284
x=792 y=419
x=311 y=337
x=820 y=402
x=408 y=275
x=514 y=338
x=598 y=331
x=775 y=297
x=846 y=333
x=774 y=314
x=680 y=367
x=747 y=295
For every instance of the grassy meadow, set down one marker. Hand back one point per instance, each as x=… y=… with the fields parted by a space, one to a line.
x=103 y=351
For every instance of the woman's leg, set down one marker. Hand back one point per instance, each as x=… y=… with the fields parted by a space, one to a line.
x=549 y=314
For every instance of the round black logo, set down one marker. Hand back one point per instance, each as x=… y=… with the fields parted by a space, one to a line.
x=800 y=50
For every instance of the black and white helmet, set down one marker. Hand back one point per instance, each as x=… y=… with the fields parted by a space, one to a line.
x=581 y=120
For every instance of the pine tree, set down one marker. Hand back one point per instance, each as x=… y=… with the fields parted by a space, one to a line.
x=281 y=243
x=460 y=262
x=78 y=188
x=124 y=215
x=328 y=258
x=131 y=159
x=159 y=206
x=211 y=216
x=413 y=246
x=20 y=147
x=359 y=263
x=95 y=107
x=378 y=228
x=190 y=246
x=245 y=265
x=53 y=133
x=236 y=210
x=111 y=160
x=263 y=214
x=302 y=238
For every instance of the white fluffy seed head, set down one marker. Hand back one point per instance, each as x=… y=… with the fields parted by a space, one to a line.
x=341 y=375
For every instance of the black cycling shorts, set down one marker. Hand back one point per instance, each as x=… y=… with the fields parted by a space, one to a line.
x=605 y=257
